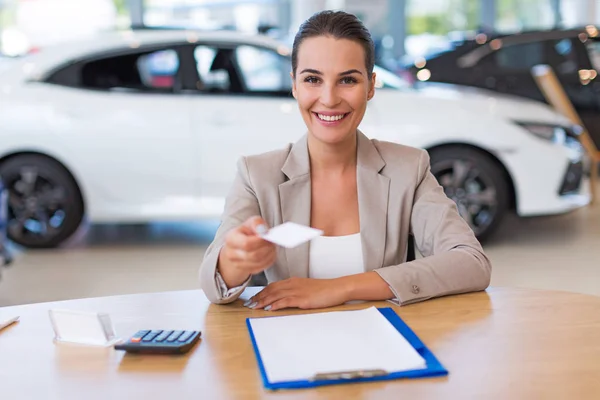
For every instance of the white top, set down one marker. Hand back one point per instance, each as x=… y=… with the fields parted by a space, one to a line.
x=335 y=256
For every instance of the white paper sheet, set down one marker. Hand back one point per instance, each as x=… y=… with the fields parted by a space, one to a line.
x=290 y=234
x=297 y=347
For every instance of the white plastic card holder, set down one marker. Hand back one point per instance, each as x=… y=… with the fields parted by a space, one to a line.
x=80 y=327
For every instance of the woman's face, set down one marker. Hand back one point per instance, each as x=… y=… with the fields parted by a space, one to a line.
x=332 y=87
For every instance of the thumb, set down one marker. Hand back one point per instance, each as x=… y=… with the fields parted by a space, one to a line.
x=256 y=225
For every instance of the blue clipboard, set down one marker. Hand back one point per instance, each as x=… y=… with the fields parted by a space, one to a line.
x=434 y=367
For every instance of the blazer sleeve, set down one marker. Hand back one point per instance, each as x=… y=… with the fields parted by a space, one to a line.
x=453 y=260
x=241 y=204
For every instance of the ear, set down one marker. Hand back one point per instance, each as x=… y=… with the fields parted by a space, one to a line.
x=372 y=86
x=293 y=85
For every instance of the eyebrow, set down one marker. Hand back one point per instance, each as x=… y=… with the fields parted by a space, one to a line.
x=316 y=72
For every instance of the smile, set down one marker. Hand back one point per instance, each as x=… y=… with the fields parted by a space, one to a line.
x=331 y=118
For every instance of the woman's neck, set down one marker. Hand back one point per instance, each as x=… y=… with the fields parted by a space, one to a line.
x=337 y=158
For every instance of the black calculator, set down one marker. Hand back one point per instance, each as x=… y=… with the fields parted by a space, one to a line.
x=160 y=342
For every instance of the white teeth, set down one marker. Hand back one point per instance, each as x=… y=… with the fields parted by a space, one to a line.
x=331 y=118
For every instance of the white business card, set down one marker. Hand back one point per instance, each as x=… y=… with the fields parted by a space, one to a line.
x=290 y=234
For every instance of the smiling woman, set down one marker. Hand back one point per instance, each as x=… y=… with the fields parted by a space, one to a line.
x=329 y=98
x=367 y=196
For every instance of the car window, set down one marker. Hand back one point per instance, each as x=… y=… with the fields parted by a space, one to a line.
x=564 y=47
x=214 y=69
x=562 y=56
x=144 y=71
x=264 y=70
x=158 y=70
x=520 y=56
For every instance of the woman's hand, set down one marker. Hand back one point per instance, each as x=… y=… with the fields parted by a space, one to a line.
x=245 y=253
x=303 y=293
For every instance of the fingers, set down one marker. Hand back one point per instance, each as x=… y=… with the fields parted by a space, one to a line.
x=261 y=259
x=239 y=240
x=242 y=263
x=270 y=289
x=271 y=298
x=261 y=264
x=274 y=292
x=282 y=294
x=246 y=237
x=286 y=302
x=259 y=255
x=247 y=250
x=254 y=226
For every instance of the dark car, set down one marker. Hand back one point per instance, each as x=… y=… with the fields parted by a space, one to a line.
x=503 y=63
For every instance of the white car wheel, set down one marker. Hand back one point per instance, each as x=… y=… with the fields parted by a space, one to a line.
x=45 y=206
x=476 y=183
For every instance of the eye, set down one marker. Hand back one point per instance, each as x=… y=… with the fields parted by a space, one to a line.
x=311 y=79
x=348 y=80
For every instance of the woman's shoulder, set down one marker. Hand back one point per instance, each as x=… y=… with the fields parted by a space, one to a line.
x=266 y=165
x=269 y=159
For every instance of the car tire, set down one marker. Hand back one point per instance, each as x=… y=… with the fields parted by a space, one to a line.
x=45 y=203
x=476 y=182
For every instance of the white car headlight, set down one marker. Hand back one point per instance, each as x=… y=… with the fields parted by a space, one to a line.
x=553 y=133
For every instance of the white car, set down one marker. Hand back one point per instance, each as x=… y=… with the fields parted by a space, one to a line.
x=148 y=125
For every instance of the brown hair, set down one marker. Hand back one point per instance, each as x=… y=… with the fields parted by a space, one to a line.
x=339 y=25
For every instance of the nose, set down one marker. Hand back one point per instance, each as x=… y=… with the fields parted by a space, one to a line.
x=330 y=96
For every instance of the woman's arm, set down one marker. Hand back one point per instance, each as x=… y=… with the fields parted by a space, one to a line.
x=453 y=259
x=240 y=205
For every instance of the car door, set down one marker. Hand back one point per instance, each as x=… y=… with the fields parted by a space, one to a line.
x=129 y=129
x=242 y=105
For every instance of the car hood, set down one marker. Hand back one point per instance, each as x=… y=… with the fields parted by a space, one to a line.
x=504 y=106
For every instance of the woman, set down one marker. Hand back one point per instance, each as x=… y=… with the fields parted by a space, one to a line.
x=366 y=195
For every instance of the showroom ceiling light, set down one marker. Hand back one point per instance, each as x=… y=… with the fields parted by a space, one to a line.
x=496 y=44
x=283 y=51
x=420 y=62
x=481 y=38
x=587 y=75
x=192 y=37
x=424 y=75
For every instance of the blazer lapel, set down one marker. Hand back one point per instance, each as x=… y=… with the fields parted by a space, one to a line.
x=295 y=203
x=373 y=192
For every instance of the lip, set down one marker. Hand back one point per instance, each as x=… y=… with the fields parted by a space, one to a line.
x=330 y=113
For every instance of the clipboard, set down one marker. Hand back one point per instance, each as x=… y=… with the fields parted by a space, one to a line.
x=433 y=367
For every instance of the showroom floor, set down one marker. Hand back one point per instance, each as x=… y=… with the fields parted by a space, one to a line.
x=561 y=252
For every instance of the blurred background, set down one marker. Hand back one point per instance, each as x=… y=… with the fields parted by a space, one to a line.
x=121 y=122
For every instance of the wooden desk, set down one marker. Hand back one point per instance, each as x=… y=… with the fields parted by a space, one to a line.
x=503 y=343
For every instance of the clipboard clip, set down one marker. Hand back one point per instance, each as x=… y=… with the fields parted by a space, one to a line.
x=345 y=375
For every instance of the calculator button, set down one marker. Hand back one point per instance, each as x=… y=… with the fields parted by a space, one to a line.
x=163 y=336
x=136 y=340
x=141 y=334
x=174 y=336
x=186 y=336
x=150 y=337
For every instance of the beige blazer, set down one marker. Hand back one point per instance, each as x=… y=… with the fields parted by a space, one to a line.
x=397 y=195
